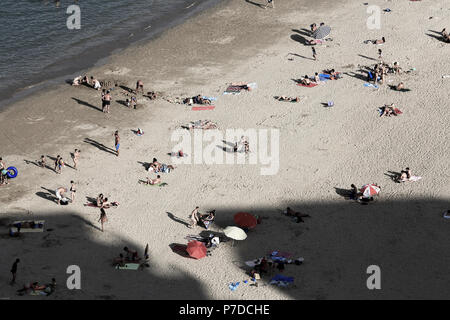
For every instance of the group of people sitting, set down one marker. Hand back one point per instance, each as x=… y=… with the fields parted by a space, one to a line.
x=202 y=219
x=298 y=216
x=380 y=70
x=35 y=287
x=156 y=167
x=196 y=100
x=94 y=83
x=333 y=75
x=389 y=110
x=129 y=256
x=376 y=41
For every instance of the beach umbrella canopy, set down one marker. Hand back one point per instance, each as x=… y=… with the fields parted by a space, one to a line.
x=196 y=249
x=235 y=233
x=370 y=190
x=245 y=220
x=321 y=32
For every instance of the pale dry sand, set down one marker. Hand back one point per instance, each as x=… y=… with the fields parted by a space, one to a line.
x=320 y=149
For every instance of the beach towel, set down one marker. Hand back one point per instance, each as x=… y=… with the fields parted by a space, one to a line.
x=210 y=98
x=233 y=286
x=203 y=108
x=370 y=85
x=128 y=266
x=163 y=184
x=414 y=178
x=307 y=86
x=446 y=215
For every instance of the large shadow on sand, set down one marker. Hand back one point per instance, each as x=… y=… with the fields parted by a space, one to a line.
x=68 y=240
x=408 y=239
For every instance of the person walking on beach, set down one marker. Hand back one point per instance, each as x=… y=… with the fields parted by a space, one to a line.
x=14 y=271
x=42 y=162
x=139 y=86
x=73 y=189
x=60 y=165
x=106 y=102
x=103 y=217
x=380 y=55
x=117 y=141
x=57 y=162
x=271 y=2
x=75 y=158
x=103 y=100
x=314 y=53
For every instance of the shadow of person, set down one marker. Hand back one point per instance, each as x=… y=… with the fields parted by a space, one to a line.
x=255 y=3
x=176 y=219
x=99 y=146
x=84 y=103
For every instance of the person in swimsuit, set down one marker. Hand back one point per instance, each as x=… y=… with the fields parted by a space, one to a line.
x=103 y=217
x=314 y=54
x=106 y=101
x=117 y=141
x=73 y=189
x=271 y=2
x=99 y=200
x=305 y=81
x=75 y=157
x=131 y=255
x=194 y=217
x=3 y=176
x=60 y=164
x=154 y=181
x=42 y=162
x=139 y=86
x=56 y=163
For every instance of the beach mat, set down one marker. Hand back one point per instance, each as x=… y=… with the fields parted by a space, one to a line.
x=14 y=227
x=311 y=85
x=203 y=108
x=368 y=85
x=128 y=266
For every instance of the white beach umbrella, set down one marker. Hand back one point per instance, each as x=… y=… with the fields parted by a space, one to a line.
x=235 y=233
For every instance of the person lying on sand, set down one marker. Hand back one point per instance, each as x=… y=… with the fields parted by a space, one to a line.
x=445 y=35
x=405 y=175
x=305 y=81
x=152 y=95
x=297 y=215
x=379 y=41
x=288 y=99
x=333 y=74
x=157 y=180
x=388 y=111
x=202 y=124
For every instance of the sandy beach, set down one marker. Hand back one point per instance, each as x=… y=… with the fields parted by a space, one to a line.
x=322 y=151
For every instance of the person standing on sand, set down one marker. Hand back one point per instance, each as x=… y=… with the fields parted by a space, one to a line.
x=14 y=271
x=139 y=86
x=42 y=162
x=103 y=217
x=60 y=164
x=271 y=2
x=314 y=53
x=194 y=217
x=106 y=102
x=57 y=162
x=73 y=189
x=103 y=100
x=76 y=157
x=2 y=167
x=117 y=141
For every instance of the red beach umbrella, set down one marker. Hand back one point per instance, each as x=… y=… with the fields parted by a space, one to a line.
x=370 y=190
x=245 y=220
x=196 y=249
